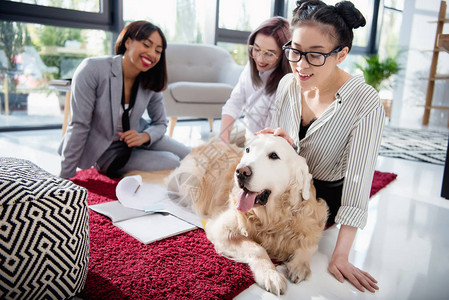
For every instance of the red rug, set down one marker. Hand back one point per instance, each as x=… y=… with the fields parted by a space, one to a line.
x=380 y=180
x=181 y=267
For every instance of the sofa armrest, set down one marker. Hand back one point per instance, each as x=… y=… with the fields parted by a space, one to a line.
x=199 y=92
x=231 y=73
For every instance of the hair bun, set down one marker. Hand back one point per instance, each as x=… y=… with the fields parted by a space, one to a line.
x=350 y=14
x=306 y=4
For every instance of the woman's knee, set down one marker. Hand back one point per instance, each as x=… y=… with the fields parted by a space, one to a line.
x=171 y=145
x=172 y=162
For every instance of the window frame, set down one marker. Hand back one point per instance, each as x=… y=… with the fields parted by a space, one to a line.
x=239 y=36
x=110 y=18
x=279 y=9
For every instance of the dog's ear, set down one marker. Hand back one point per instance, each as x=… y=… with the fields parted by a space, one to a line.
x=303 y=177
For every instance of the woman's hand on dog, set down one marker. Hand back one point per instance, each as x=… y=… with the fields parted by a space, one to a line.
x=277 y=132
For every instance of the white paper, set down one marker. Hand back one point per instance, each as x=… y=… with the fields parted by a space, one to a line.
x=154 y=227
x=146 y=211
x=117 y=212
x=133 y=193
x=147 y=227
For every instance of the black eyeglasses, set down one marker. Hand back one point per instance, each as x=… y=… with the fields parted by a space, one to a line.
x=316 y=59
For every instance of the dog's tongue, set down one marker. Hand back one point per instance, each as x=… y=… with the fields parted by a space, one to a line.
x=246 y=200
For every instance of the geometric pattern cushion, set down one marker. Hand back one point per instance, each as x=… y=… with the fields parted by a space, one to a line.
x=44 y=233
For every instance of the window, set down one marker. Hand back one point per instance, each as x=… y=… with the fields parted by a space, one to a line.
x=47 y=42
x=184 y=21
x=104 y=19
x=238 y=51
x=189 y=21
x=33 y=54
x=55 y=35
x=243 y=15
x=89 y=6
x=395 y=4
x=236 y=20
x=391 y=26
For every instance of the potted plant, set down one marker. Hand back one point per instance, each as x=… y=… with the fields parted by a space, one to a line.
x=377 y=73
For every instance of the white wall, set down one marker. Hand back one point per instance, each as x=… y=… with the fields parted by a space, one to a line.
x=417 y=36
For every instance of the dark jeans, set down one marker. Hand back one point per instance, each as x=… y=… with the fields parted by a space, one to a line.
x=331 y=192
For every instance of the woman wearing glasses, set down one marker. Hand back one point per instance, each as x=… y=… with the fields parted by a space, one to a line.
x=335 y=119
x=255 y=92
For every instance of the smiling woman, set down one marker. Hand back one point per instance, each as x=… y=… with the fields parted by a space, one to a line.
x=117 y=90
x=361 y=35
x=142 y=47
x=334 y=118
x=254 y=93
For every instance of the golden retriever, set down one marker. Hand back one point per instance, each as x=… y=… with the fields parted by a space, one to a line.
x=268 y=212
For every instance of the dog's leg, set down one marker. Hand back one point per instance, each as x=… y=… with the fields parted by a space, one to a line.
x=298 y=265
x=223 y=233
x=265 y=274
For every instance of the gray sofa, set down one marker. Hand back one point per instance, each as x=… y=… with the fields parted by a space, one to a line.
x=200 y=80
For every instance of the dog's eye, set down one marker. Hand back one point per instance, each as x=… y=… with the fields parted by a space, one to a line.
x=273 y=155
x=247 y=150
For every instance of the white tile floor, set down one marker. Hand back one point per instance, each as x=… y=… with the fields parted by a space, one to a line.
x=405 y=244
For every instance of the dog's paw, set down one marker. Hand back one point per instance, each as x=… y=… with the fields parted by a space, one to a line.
x=298 y=273
x=272 y=281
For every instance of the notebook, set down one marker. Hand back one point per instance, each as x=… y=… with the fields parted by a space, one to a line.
x=146 y=212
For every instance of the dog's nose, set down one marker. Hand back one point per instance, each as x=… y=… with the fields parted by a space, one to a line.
x=243 y=174
x=243 y=171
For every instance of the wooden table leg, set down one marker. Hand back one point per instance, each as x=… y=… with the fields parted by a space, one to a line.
x=5 y=84
x=211 y=124
x=66 y=112
x=171 y=126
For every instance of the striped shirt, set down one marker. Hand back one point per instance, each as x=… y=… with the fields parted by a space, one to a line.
x=342 y=143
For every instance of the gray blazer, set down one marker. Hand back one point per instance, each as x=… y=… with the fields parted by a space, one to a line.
x=95 y=108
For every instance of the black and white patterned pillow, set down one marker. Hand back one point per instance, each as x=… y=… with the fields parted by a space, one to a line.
x=44 y=233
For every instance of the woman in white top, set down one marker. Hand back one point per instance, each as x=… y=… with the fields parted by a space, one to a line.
x=335 y=119
x=254 y=94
